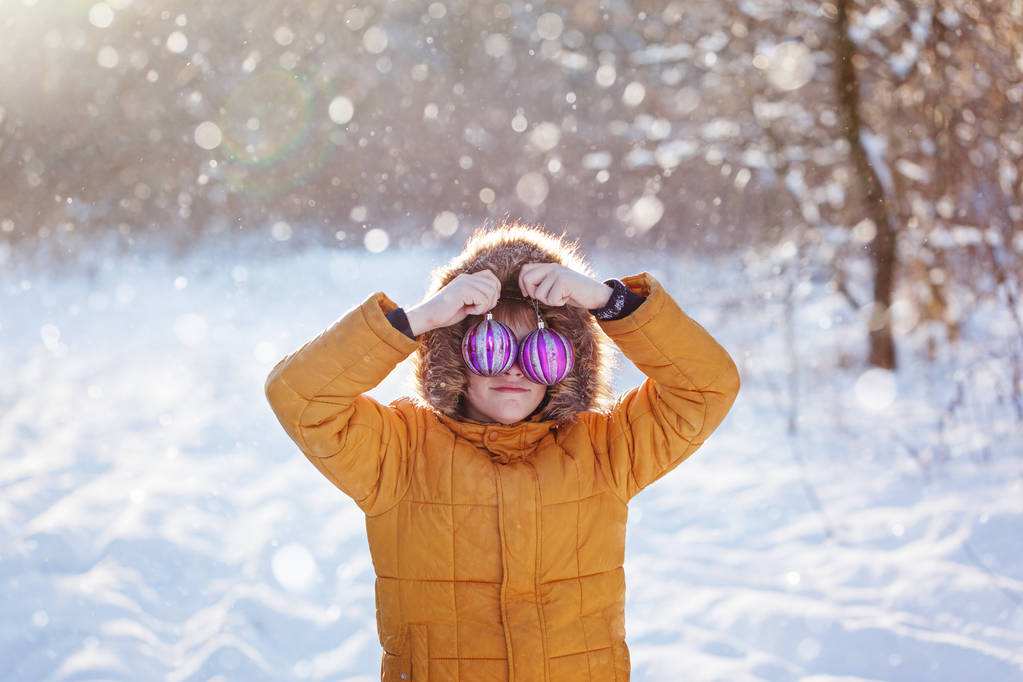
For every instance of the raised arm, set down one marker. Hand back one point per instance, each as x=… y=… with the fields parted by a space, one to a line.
x=691 y=383
x=317 y=392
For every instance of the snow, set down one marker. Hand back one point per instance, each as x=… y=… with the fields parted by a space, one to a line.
x=157 y=523
x=876 y=147
x=662 y=54
x=790 y=65
x=913 y=171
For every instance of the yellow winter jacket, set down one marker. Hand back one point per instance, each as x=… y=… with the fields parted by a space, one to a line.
x=499 y=549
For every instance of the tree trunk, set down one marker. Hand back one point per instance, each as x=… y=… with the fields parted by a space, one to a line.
x=882 y=247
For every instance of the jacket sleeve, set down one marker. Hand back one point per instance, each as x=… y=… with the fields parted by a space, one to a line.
x=318 y=394
x=691 y=383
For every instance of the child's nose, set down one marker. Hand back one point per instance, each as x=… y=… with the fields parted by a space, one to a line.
x=514 y=370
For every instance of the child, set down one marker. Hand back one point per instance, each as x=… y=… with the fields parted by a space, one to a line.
x=496 y=520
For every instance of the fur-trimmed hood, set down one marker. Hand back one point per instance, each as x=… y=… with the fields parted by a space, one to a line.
x=441 y=377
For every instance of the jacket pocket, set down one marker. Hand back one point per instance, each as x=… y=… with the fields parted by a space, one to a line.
x=395 y=668
x=412 y=662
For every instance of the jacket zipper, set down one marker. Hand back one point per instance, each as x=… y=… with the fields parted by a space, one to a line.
x=536 y=574
x=504 y=576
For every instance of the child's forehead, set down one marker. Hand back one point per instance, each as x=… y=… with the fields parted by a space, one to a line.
x=521 y=329
x=519 y=317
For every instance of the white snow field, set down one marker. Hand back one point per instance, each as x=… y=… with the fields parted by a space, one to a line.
x=156 y=523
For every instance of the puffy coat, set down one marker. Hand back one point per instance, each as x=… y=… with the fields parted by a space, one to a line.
x=499 y=549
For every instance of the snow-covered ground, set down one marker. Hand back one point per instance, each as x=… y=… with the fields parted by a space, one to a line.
x=156 y=523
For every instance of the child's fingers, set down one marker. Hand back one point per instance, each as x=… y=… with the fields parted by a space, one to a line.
x=558 y=293
x=544 y=288
x=478 y=297
x=484 y=295
x=529 y=276
x=490 y=281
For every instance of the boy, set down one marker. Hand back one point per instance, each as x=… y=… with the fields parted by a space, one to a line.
x=496 y=519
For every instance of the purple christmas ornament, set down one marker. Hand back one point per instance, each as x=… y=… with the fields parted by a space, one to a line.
x=546 y=356
x=489 y=347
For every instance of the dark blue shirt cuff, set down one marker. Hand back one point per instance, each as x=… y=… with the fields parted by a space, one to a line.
x=399 y=320
x=622 y=302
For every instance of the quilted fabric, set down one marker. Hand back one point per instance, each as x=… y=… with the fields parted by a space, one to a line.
x=499 y=549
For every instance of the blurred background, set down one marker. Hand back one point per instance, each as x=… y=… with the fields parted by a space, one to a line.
x=188 y=191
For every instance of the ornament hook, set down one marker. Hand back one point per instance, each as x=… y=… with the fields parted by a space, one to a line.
x=540 y=324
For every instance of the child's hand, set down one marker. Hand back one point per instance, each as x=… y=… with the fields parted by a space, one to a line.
x=467 y=294
x=556 y=285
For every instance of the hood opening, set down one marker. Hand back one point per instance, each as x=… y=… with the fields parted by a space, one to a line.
x=441 y=378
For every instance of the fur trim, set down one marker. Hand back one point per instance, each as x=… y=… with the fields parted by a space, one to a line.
x=441 y=377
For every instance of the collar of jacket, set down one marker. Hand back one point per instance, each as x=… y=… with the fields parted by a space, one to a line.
x=504 y=443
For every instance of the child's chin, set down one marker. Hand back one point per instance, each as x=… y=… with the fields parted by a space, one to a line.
x=510 y=416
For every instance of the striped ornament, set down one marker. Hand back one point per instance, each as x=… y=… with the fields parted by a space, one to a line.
x=489 y=347
x=546 y=356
